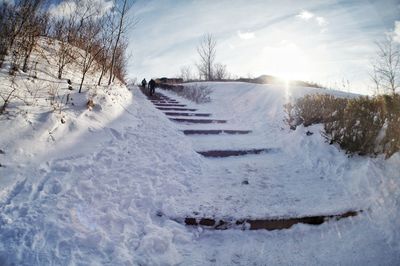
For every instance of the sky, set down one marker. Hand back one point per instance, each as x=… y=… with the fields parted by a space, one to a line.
x=321 y=41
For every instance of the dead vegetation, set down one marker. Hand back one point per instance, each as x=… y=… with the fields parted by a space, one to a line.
x=363 y=125
x=198 y=93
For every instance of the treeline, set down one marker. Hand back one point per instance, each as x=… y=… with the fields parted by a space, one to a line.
x=97 y=29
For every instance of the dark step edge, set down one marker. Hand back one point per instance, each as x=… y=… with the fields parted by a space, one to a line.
x=176 y=109
x=164 y=102
x=198 y=121
x=215 y=132
x=187 y=114
x=229 y=153
x=168 y=100
x=167 y=104
x=263 y=224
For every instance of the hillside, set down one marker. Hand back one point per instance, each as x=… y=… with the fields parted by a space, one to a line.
x=109 y=186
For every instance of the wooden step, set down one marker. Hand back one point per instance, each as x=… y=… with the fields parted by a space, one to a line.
x=159 y=99
x=164 y=102
x=229 y=153
x=169 y=104
x=176 y=109
x=266 y=224
x=214 y=131
x=186 y=114
x=198 y=121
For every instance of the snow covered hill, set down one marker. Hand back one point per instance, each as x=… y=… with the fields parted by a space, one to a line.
x=106 y=186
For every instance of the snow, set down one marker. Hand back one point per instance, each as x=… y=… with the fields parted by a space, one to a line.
x=106 y=187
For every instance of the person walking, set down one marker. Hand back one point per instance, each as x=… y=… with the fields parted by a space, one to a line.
x=152 y=87
x=144 y=83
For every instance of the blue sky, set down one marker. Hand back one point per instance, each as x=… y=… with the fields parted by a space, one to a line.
x=322 y=41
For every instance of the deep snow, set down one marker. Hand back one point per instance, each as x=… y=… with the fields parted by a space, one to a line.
x=105 y=187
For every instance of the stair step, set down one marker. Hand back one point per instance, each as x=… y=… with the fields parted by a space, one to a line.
x=264 y=224
x=214 y=132
x=164 y=102
x=169 y=104
x=158 y=98
x=199 y=121
x=175 y=109
x=163 y=99
x=186 y=114
x=229 y=153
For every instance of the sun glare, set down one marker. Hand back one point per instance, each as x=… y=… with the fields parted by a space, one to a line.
x=287 y=61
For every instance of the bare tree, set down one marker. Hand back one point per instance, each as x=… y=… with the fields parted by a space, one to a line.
x=5 y=29
x=91 y=47
x=386 y=66
x=104 y=57
x=65 y=33
x=220 y=71
x=376 y=79
x=7 y=97
x=65 y=50
x=186 y=73
x=20 y=25
x=121 y=11
x=120 y=62
x=25 y=10
x=37 y=26
x=207 y=52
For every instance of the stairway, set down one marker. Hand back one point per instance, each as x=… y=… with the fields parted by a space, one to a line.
x=182 y=114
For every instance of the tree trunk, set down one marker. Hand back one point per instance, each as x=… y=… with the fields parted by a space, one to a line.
x=28 y=54
x=60 y=71
x=80 y=86
x=101 y=76
x=61 y=60
x=116 y=42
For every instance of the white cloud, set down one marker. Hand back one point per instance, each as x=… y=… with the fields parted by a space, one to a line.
x=396 y=32
x=321 y=21
x=306 y=15
x=246 y=35
x=66 y=8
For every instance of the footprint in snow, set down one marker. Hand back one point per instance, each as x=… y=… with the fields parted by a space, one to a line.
x=115 y=134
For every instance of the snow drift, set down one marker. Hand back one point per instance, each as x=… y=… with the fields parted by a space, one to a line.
x=101 y=187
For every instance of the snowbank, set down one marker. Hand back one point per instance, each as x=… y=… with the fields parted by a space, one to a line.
x=103 y=188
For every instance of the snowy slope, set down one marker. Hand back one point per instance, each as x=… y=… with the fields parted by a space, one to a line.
x=301 y=176
x=103 y=190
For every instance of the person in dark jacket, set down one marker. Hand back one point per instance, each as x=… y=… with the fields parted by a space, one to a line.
x=144 y=83
x=152 y=87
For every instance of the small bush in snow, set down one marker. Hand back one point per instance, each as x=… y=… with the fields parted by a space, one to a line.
x=197 y=93
x=314 y=109
x=364 y=125
x=90 y=104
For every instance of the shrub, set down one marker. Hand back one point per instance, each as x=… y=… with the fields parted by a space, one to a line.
x=364 y=125
x=389 y=140
x=197 y=93
x=358 y=126
x=314 y=109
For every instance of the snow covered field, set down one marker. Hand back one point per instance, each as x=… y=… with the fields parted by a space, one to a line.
x=105 y=187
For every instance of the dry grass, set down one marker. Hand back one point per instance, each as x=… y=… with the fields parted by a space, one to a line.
x=197 y=93
x=364 y=125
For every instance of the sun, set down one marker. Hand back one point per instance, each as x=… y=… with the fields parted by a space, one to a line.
x=287 y=61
